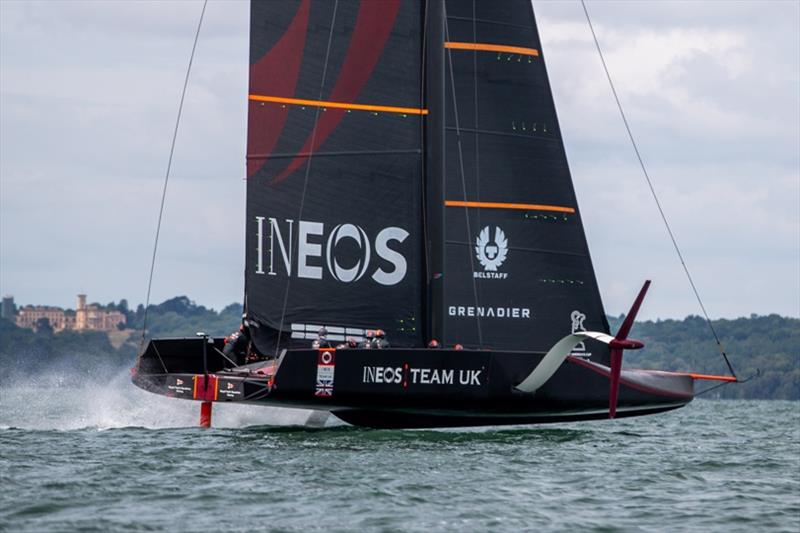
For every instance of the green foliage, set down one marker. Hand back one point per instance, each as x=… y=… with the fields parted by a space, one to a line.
x=70 y=353
x=90 y=354
x=181 y=317
x=769 y=344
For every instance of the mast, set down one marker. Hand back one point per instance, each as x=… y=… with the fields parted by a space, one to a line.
x=435 y=168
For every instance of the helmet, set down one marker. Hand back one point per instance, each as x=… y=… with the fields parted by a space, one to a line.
x=322 y=333
x=458 y=347
x=370 y=333
x=380 y=333
x=433 y=343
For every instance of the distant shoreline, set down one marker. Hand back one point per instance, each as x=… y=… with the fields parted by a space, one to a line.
x=769 y=344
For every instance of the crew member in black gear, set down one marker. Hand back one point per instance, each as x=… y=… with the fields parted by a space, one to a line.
x=349 y=343
x=379 y=340
x=366 y=344
x=237 y=345
x=322 y=340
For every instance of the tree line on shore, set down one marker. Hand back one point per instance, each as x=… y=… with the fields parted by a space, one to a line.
x=769 y=345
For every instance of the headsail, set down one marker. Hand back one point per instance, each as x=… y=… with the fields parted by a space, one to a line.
x=518 y=274
x=334 y=168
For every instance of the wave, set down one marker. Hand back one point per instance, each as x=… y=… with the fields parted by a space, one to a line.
x=64 y=401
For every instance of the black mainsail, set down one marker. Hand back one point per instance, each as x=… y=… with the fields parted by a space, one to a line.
x=334 y=223
x=342 y=149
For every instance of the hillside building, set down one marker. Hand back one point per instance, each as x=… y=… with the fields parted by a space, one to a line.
x=8 y=309
x=84 y=318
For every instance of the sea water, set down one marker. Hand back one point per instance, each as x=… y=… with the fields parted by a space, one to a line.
x=109 y=457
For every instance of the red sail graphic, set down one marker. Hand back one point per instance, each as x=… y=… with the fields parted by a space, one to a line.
x=275 y=74
x=372 y=30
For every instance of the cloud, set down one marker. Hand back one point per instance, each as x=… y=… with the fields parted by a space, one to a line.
x=89 y=94
x=713 y=104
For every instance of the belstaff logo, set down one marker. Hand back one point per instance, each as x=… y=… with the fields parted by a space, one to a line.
x=577 y=326
x=491 y=253
x=274 y=247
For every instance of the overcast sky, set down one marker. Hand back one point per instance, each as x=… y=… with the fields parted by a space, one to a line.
x=89 y=93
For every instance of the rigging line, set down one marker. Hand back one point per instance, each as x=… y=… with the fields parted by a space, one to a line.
x=463 y=177
x=234 y=363
x=308 y=171
x=477 y=121
x=423 y=160
x=166 y=177
x=155 y=347
x=653 y=192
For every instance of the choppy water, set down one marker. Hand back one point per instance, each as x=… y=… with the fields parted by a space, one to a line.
x=112 y=458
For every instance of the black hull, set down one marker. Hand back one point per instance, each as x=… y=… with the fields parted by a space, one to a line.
x=409 y=388
x=399 y=419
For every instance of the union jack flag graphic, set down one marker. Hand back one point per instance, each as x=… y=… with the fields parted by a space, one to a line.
x=323 y=390
x=325 y=372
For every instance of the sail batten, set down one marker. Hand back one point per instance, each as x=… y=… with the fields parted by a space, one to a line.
x=334 y=154
x=503 y=205
x=488 y=47
x=338 y=105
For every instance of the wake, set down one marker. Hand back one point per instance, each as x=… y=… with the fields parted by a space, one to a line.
x=69 y=402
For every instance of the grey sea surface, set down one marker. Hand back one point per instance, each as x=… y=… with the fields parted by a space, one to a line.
x=109 y=457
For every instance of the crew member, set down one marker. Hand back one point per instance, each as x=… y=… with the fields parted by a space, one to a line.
x=369 y=336
x=237 y=345
x=322 y=340
x=379 y=340
x=349 y=343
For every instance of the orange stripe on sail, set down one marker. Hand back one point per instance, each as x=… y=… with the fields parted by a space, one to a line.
x=338 y=105
x=500 y=205
x=485 y=47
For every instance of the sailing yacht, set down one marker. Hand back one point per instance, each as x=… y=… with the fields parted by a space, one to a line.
x=406 y=173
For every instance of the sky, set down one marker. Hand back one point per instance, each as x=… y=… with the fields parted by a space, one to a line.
x=89 y=93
